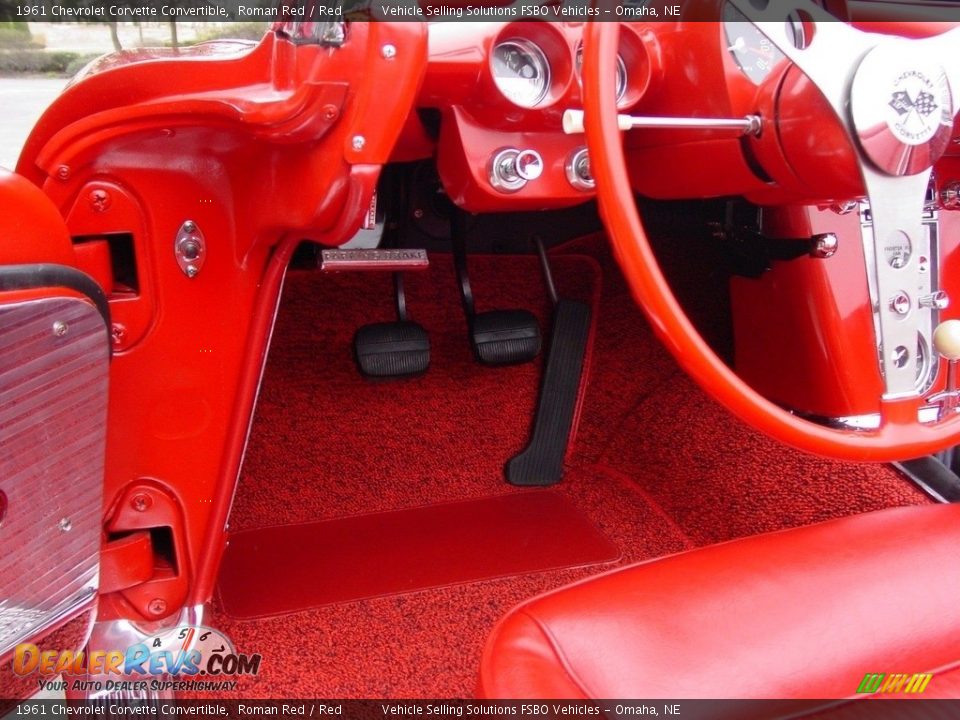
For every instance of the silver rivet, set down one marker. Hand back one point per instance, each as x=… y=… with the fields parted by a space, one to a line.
x=358 y=142
x=192 y=271
x=60 y=328
x=65 y=525
x=388 y=51
x=189 y=226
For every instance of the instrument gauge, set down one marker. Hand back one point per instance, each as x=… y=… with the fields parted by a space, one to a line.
x=521 y=72
x=753 y=52
x=621 y=73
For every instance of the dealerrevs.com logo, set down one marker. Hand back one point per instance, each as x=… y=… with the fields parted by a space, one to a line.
x=890 y=683
x=174 y=659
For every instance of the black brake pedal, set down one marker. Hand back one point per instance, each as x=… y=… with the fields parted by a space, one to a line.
x=393 y=349
x=541 y=462
x=498 y=337
x=505 y=337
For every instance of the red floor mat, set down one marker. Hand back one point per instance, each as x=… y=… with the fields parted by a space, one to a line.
x=427 y=644
x=286 y=568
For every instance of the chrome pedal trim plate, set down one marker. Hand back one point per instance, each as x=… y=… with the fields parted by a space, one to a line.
x=54 y=360
x=342 y=260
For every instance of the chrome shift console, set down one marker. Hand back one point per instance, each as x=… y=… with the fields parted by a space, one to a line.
x=905 y=295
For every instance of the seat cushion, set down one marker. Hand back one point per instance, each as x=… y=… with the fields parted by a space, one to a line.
x=802 y=613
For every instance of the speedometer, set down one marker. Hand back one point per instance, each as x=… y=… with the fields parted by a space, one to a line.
x=755 y=54
x=521 y=72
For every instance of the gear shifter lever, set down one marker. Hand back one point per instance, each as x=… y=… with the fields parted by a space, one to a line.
x=946 y=339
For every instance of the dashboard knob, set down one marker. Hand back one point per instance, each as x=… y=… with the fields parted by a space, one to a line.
x=938 y=300
x=577 y=168
x=950 y=196
x=824 y=245
x=511 y=169
x=529 y=164
x=946 y=339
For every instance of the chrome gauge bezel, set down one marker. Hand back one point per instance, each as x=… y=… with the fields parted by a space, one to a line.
x=537 y=58
x=621 y=73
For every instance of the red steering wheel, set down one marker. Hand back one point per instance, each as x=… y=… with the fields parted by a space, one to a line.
x=845 y=65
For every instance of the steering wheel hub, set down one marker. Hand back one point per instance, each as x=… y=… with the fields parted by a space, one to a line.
x=901 y=108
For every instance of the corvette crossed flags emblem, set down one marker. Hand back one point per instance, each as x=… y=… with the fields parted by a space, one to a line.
x=925 y=104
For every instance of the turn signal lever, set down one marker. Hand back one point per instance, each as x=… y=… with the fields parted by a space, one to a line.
x=748 y=125
x=946 y=340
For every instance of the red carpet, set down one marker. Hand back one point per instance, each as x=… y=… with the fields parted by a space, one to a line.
x=657 y=467
x=405 y=550
x=645 y=420
x=328 y=444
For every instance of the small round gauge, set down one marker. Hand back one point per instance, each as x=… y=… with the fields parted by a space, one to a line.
x=755 y=55
x=621 y=74
x=521 y=72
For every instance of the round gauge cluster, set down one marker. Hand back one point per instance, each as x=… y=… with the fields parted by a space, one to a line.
x=521 y=71
x=526 y=70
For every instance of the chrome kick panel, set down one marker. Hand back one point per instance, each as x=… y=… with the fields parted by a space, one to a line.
x=54 y=357
x=904 y=281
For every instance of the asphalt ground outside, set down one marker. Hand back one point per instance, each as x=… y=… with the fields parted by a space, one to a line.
x=24 y=100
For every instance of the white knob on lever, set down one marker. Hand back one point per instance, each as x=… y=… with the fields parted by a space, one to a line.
x=946 y=339
x=573 y=122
